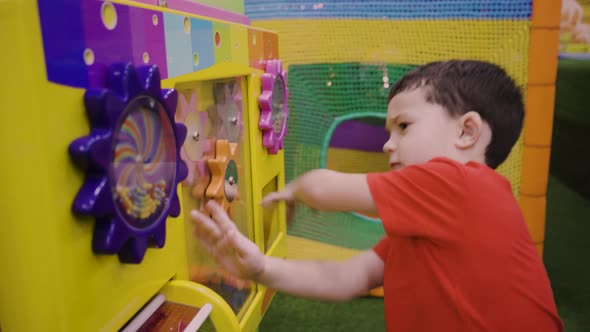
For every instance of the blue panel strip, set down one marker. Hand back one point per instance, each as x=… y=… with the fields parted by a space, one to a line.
x=389 y=9
x=178 y=45
x=63 y=41
x=202 y=44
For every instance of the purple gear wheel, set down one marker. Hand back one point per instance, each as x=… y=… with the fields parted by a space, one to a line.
x=273 y=122
x=94 y=153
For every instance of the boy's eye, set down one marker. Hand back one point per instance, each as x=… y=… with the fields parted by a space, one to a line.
x=403 y=125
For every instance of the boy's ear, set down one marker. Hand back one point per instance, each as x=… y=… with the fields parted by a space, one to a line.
x=470 y=130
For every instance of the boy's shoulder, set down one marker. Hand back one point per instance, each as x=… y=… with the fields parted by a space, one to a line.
x=444 y=176
x=470 y=172
x=447 y=171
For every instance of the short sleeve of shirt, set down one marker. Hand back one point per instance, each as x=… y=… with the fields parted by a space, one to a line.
x=421 y=200
x=382 y=248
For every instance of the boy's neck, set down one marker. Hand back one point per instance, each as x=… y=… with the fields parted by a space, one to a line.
x=464 y=158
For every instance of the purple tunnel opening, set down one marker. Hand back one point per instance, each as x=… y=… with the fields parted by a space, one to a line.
x=364 y=134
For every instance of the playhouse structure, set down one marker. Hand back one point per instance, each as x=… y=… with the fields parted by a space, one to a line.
x=342 y=58
x=120 y=118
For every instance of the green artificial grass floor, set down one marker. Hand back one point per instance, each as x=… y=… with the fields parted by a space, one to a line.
x=570 y=153
x=567 y=245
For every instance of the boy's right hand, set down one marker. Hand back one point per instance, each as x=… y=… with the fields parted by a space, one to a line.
x=227 y=245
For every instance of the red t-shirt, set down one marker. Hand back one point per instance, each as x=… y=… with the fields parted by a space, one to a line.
x=458 y=255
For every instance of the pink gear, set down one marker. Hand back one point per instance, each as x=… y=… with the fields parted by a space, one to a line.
x=273 y=102
x=196 y=144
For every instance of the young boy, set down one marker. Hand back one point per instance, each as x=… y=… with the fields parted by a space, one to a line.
x=457 y=255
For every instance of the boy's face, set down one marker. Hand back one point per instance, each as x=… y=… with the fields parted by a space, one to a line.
x=419 y=130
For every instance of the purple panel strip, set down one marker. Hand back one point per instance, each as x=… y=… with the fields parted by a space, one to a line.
x=356 y=135
x=109 y=44
x=202 y=10
x=148 y=40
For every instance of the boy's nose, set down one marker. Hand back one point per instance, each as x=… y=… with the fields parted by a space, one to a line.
x=389 y=146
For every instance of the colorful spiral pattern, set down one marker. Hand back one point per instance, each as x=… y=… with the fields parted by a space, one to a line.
x=144 y=162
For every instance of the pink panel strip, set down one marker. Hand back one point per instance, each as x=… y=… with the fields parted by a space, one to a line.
x=200 y=9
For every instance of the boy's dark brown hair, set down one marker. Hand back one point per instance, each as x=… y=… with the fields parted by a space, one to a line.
x=464 y=86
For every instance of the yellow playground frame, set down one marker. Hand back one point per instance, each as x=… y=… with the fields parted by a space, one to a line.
x=51 y=278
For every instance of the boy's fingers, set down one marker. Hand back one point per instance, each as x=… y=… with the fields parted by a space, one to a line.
x=197 y=216
x=220 y=216
x=224 y=246
x=207 y=246
x=273 y=198
x=206 y=229
x=268 y=199
x=239 y=242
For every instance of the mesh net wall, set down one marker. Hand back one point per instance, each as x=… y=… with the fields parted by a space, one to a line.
x=343 y=56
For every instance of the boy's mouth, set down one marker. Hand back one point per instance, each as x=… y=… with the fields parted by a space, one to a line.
x=395 y=165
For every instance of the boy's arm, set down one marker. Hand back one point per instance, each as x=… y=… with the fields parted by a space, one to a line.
x=326 y=280
x=327 y=190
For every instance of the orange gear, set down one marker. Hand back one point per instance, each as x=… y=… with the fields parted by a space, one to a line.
x=203 y=177
x=224 y=170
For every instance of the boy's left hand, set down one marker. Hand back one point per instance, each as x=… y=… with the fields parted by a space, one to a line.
x=220 y=236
